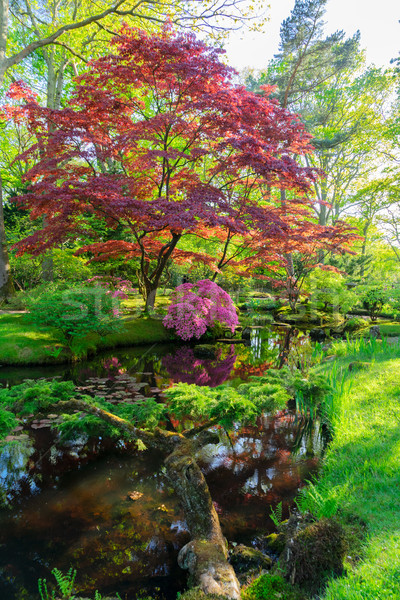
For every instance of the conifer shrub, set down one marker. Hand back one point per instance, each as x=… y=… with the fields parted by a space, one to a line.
x=7 y=422
x=35 y=396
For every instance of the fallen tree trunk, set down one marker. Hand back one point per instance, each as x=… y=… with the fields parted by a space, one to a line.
x=206 y=555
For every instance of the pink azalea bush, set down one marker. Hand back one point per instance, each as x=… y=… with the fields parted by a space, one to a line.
x=195 y=307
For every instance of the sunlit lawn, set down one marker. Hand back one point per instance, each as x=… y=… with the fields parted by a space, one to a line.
x=23 y=343
x=364 y=461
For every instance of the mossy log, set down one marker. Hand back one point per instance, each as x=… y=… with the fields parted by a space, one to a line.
x=205 y=556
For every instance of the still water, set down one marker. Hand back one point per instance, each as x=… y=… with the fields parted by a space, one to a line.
x=109 y=511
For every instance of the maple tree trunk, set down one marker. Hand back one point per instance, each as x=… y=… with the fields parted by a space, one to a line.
x=148 y=289
x=289 y=267
x=149 y=283
x=6 y=283
x=285 y=348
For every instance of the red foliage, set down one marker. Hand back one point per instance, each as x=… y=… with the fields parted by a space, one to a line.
x=157 y=142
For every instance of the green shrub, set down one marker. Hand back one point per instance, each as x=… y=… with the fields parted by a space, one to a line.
x=26 y=270
x=311 y=389
x=73 y=426
x=355 y=323
x=68 y=267
x=373 y=297
x=35 y=396
x=329 y=293
x=7 y=422
x=77 y=312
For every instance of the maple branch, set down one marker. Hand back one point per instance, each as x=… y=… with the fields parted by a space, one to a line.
x=158 y=439
x=190 y=433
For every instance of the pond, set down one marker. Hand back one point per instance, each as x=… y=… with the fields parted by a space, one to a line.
x=109 y=511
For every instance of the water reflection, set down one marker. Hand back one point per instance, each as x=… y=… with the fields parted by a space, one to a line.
x=168 y=363
x=116 y=518
x=14 y=459
x=88 y=519
x=184 y=366
x=118 y=521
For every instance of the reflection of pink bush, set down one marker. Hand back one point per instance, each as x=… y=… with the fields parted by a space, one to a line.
x=185 y=367
x=197 y=306
x=113 y=366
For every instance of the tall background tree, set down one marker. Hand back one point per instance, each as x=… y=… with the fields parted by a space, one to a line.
x=342 y=102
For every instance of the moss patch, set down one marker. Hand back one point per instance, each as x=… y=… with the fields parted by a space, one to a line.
x=272 y=587
x=316 y=552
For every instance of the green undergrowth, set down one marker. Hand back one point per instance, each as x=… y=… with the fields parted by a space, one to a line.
x=272 y=586
x=362 y=468
x=22 y=343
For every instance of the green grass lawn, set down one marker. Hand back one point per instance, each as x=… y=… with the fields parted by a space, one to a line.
x=134 y=304
x=363 y=465
x=21 y=343
x=389 y=329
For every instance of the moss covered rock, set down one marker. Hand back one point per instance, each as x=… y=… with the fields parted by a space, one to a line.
x=314 y=553
x=245 y=559
x=276 y=542
x=358 y=365
x=197 y=594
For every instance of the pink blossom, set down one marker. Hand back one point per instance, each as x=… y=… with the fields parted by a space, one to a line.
x=198 y=306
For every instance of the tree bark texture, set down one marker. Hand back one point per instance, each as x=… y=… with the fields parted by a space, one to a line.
x=6 y=284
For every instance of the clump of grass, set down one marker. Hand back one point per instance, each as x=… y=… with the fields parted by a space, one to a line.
x=364 y=347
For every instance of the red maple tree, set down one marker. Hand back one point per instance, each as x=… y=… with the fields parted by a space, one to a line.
x=157 y=143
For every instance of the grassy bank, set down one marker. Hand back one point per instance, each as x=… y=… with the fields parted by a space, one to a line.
x=21 y=343
x=362 y=467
